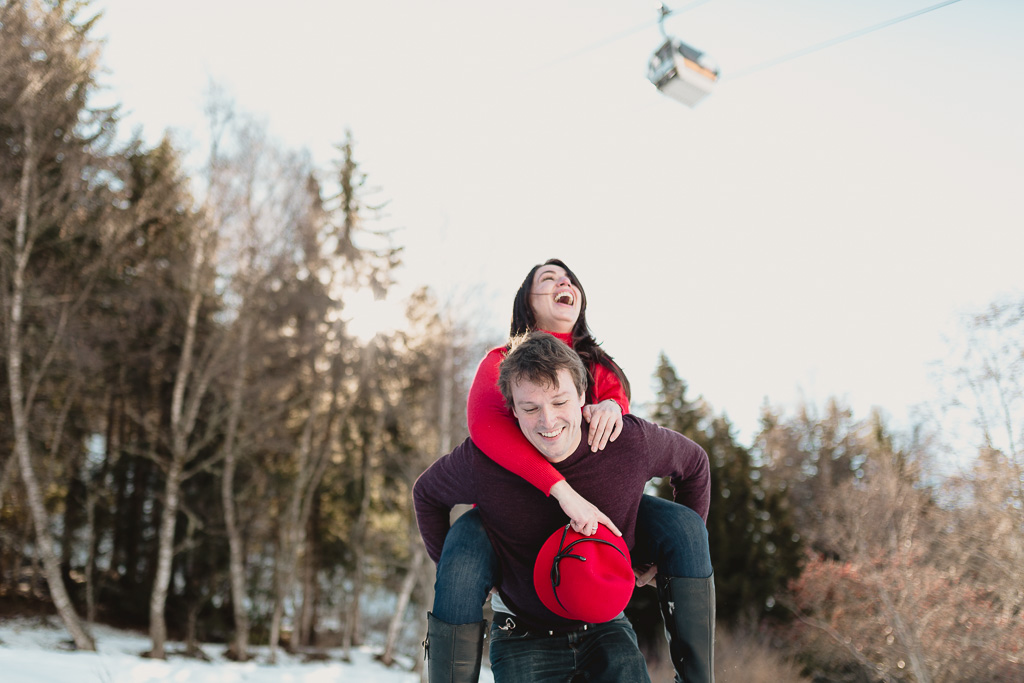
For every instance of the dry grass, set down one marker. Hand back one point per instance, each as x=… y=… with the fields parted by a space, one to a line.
x=738 y=659
x=743 y=659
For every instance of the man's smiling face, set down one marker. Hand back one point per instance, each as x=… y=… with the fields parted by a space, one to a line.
x=550 y=416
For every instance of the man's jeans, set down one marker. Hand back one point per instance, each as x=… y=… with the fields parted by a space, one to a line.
x=671 y=535
x=603 y=653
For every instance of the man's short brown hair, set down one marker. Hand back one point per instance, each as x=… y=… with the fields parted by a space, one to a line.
x=537 y=357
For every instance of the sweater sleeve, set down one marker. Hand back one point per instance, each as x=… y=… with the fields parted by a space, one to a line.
x=676 y=456
x=607 y=386
x=446 y=483
x=495 y=432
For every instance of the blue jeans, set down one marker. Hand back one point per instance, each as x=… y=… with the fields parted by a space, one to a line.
x=604 y=653
x=466 y=572
x=672 y=536
x=668 y=534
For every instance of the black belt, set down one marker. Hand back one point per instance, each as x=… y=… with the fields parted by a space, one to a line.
x=510 y=622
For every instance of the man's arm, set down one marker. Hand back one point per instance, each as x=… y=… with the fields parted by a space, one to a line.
x=442 y=486
x=674 y=455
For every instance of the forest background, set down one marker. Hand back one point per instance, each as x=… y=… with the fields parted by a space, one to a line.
x=197 y=444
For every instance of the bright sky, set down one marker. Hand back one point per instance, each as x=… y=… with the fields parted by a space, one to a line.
x=811 y=229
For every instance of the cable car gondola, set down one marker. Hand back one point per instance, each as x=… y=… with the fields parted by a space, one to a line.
x=680 y=71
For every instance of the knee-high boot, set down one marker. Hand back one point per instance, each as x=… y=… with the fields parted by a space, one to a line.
x=688 y=606
x=453 y=651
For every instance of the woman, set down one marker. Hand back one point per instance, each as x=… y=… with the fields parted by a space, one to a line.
x=668 y=535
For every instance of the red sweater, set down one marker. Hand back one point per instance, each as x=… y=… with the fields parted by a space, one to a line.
x=494 y=430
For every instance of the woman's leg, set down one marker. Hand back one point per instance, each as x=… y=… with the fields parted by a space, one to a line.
x=675 y=538
x=467 y=570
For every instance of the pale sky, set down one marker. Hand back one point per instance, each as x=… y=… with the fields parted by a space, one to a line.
x=811 y=229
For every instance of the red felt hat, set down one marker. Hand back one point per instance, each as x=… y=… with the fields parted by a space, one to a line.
x=586 y=578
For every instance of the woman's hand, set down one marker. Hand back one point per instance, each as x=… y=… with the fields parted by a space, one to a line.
x=583 y=515
x=605 y=420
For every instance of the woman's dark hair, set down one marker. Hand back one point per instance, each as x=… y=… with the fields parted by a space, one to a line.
x=524 y=320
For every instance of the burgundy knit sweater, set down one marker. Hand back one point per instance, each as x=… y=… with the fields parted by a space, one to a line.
x=519 y=518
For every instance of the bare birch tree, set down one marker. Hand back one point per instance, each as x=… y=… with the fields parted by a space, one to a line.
x=191 y=381
x=312 y=458
x=47 y=67
x=339 y=252
x=439 y=351
x=255 y=191
x=431 y=350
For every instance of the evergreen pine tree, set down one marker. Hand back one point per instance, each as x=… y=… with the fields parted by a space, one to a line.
x=754 y=546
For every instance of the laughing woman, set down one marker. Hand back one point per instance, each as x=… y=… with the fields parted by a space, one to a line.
x=671 y=539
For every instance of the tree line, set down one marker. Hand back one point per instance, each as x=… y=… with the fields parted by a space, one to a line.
x=867 y=553
x=194 y=441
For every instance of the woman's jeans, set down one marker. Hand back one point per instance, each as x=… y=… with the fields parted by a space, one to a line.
x=667 y=534
x=673 y=537
x=466 y=572
x=603 y=653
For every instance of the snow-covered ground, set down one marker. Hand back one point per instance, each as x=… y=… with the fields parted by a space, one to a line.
x=35 y=651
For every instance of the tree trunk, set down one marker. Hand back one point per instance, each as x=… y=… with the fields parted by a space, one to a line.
x=446 y=391
x=310 y=594
x=192 y=647
x=239 y=647
x=90 y=560
x=180 y=430
x=44 y=540
x=92 y=500
x=353 y=616
x=7 y=474
x=278 y=614
x=353 y=619
x=20 y=413
x=404 y=596
x=426 y=571
x=165 y=557
x=309 y=473
x=291 y=536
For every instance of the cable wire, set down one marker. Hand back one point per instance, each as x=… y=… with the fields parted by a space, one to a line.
x=685 y=8
x=834 y=41
x=619 y=36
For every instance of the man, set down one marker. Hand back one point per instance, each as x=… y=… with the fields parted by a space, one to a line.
x=544 y=382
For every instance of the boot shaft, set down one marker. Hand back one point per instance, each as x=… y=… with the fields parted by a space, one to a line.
x=688 y=607
x=453 y=651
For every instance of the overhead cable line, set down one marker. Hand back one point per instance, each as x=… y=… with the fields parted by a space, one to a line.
x=666 y=12
x=619 y=36
x=834 y=41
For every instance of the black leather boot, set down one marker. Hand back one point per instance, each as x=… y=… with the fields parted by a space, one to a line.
x=688 y=606
x=454 y=651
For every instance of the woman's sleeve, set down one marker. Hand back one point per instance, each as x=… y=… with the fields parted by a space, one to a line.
x=607 y=386
x=495 y=432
